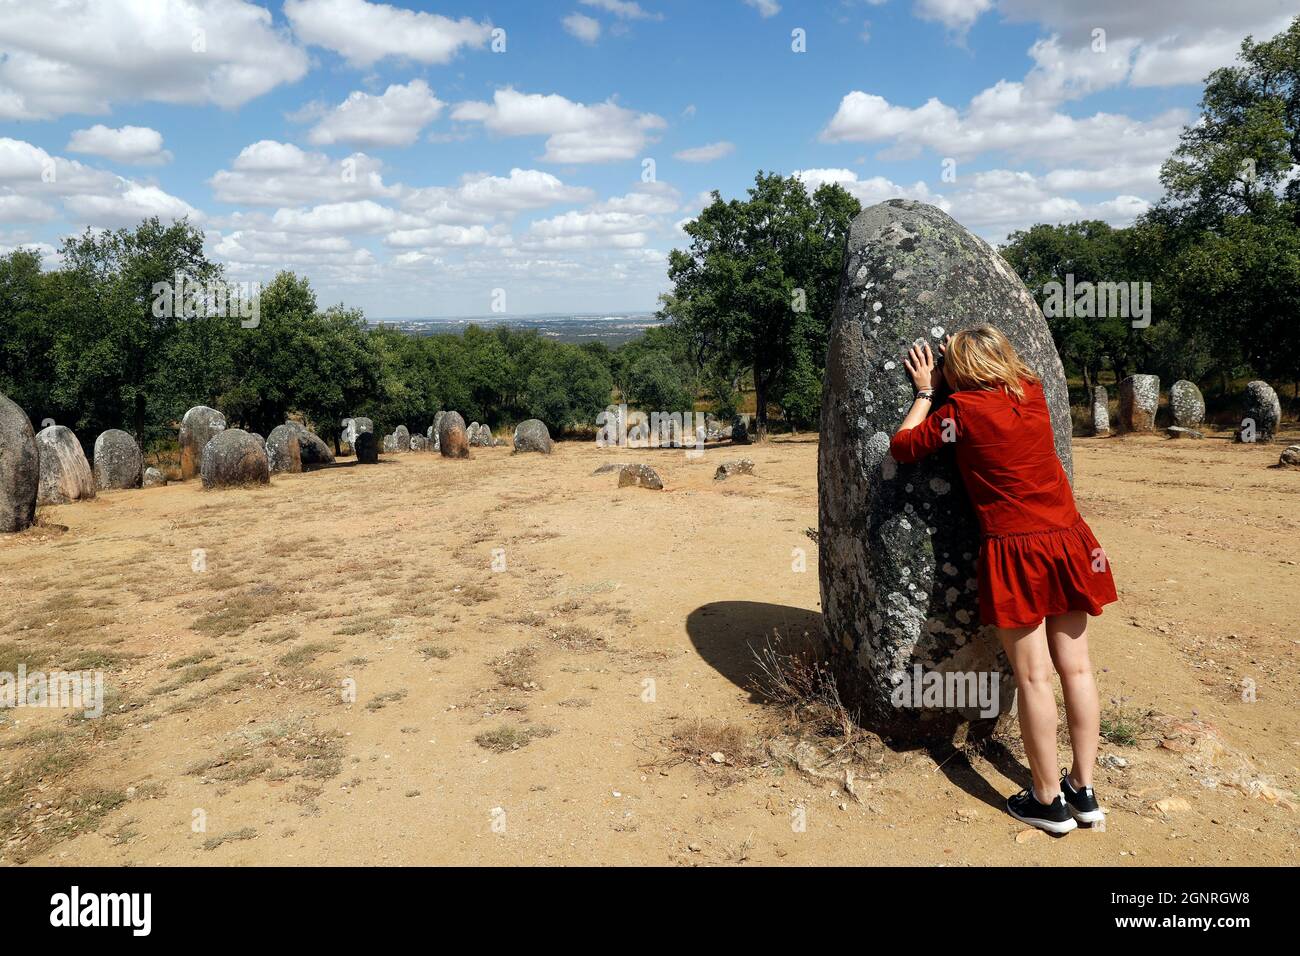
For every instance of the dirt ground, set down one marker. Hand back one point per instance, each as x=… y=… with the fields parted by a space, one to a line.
x=510 y=660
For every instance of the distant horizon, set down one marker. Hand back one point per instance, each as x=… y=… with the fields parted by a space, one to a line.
x=505 y=316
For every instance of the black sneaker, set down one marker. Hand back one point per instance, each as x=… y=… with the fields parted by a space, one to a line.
x=1082 y=802
x=1053 y=817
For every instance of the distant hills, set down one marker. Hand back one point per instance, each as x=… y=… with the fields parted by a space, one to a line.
x=612 y=329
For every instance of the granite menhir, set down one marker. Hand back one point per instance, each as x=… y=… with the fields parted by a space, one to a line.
x=899 y=543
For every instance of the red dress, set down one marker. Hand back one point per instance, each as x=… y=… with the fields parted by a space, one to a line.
x=1038 y=557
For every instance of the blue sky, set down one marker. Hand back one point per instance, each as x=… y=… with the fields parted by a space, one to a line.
x=412 y=159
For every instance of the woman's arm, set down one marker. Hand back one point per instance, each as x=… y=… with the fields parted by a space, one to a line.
x=922 y=433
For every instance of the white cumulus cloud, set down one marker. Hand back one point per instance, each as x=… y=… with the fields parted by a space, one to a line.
x=393 y=118
x=364 y=33
x=576 y=132
x=82 y=56
x=127 y=144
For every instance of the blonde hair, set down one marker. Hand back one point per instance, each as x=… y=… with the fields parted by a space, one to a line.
x=982 y=357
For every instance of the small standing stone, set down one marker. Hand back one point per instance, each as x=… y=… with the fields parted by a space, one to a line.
x=741 y=466
x=1186 y=404
x=454 y=442
x=283 y=451
x=1290 y=456
x=1263 y=414
x=234 y=457
x=353 y=427
x=740 y=430
x=367 y=448
x=197 y=428
x=640 y=476
x=533 y=435
x=65 y=474
x=118 y=461
x=401 y=438
x=1100 y=411
x=449 y=445
x=1139 y=397
x=153 y=478
x=419 y=443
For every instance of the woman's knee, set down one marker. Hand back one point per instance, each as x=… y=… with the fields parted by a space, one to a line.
x=1075 y=673
x=1035 y=677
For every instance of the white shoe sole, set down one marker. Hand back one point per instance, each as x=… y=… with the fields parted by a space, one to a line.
x=1051 y=826
x=1087 y=816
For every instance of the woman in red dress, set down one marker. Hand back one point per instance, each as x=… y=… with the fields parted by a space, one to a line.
x=1041 y=571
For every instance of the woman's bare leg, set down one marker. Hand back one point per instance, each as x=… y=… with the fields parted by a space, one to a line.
x=1067 y=640
x=1031 y=662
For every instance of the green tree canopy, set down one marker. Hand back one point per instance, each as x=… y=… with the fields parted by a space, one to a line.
x=755 y=268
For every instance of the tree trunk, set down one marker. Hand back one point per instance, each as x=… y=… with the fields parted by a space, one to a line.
x=139 y=420
x=760 y=412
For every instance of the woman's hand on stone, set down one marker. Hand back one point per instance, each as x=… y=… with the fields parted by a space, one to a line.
x=920 y=365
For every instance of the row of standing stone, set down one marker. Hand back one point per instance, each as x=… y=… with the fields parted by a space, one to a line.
x=49 y=467
x=451 y=437
x=1139 y=399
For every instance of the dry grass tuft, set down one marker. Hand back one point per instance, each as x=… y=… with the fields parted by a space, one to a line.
x=242 y=611
x=517 y=669
x=508 y=737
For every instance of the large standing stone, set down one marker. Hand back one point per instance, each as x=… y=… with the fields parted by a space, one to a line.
x=435 y=429
x=1100 y=411
x=454 y=443
x=390 y=444
x=533 y=435
x=118 y=462
x=65 y=473
x=20 y=468
x=1139 y=398
x=452 y=435
x=283 y=451
x=197 y=428
x=1186 y=404
x=367 y=448
x=1263 y=413
x=445 y=421
x=234 y=457
x=899 y=544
